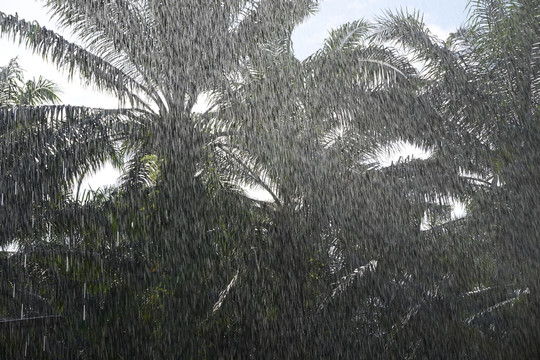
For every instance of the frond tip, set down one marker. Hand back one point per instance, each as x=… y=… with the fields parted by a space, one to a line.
x=347 y=36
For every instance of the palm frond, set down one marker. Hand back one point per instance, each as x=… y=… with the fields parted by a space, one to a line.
x=110 y=30
x=38 y=92
x=11 y=76
x=71 y=57
x=347 y=36
x=410 y=32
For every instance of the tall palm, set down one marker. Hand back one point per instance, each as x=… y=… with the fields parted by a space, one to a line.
x=308 y=133
x=483 y=84
x=160 y=57
x=507 y=66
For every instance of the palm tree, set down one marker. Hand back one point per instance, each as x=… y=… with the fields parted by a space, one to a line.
x=14 y=91
x=43 y=150
x=506 y=66
x=483 y=88
x=339 y=226
x=158 y=57
x=337 y=262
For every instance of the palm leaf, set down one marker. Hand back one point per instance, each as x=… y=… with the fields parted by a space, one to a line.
x=71 y=57
x=347 y=36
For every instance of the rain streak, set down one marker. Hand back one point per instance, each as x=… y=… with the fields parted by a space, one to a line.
x=267 y=207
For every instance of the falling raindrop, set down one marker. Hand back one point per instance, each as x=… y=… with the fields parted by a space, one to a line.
x=274 y=205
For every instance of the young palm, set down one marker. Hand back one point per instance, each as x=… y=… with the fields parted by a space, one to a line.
x=15 y=91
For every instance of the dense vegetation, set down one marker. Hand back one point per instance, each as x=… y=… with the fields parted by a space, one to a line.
x=350 y=258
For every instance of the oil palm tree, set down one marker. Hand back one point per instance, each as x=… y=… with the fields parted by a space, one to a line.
x=339 y=225
x=15 y=91
x=506 y=65
x=43 y=150
x=159 y=57
x=483 y=86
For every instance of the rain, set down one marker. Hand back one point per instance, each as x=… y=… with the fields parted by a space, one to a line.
x=377 y=198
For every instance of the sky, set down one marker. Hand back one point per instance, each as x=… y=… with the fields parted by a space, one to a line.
x=441 y=16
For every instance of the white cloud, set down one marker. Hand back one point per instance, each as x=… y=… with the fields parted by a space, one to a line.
x=358 y=5
x=439 y=31
x=107 y=175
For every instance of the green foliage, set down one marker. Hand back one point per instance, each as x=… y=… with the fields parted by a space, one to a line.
x=177 y=262
x=15 y=91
